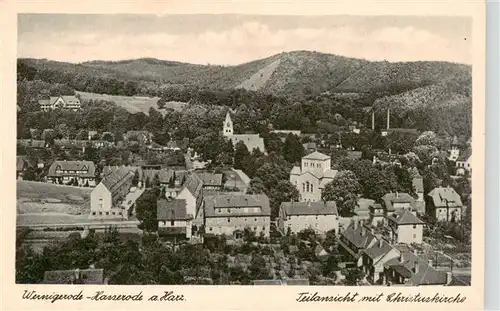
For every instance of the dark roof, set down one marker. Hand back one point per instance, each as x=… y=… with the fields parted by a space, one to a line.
x=309 y=208
x=361 y=239
x=194 y=184
x=402 y=270
x=210 y=179
x=86 y=276
x=72 y=166
x=460 y=280
x=405 y=217
x=116 y=179
x=391 y=198
x=171 y=210
x=237 y=203
x=445 y=196
x=426 y=275
x=164 y=175
x=378 y=249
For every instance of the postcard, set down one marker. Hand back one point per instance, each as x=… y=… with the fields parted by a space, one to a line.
x=243 y=155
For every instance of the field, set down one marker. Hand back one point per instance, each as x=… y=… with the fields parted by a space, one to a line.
x=133 y=104
x=47 y=203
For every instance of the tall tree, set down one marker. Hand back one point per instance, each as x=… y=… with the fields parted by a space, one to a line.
x=241 y=155
x=293 y=149
x=344 y=191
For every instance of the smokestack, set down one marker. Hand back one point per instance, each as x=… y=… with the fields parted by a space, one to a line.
x=415 y=267
x=380 y=243
x=388 y=118
x=373 y=119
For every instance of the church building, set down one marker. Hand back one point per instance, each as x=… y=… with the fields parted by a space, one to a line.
x=313 y=175
x=252 y=141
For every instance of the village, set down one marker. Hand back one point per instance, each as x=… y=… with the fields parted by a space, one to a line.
x=330 y=218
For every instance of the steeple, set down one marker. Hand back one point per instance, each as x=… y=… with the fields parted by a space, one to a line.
x=228 y=126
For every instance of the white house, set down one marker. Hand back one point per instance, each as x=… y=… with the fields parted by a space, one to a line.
x=173 y=219
x=63 y=102
x=406 y=227
x=107 y=197
x=319 y=216
x=313 y=175
x=230 y=214
x=446 y=204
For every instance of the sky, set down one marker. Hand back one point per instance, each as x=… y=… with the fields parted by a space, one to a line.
x=236 y=39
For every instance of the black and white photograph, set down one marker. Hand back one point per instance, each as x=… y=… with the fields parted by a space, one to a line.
x=240 y=149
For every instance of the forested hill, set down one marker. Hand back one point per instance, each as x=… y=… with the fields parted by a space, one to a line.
x=299 y=73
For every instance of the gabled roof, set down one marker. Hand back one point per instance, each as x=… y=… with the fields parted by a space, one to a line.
x=72 y=166
x=445 y=197
x=236 y=203
x=405 y=217
x=316 y=156
x=251 y=141
x=172 y=210
x=378 y=250
x=391 y=198
x=194 y=185
x=361 y=237
x=296 y=170
x=364 y=204
x=210 y=179
x=309 y=208
x=116 y=179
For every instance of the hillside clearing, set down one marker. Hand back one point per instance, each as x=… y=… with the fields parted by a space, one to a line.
x=133 y=104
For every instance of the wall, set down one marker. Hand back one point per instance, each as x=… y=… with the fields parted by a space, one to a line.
x=298 y=180
x=446 y=214
x=320 y=223
x=190 y=201
x=408 y=234
x=177 y=224
x=220 y=225
x=100 y=192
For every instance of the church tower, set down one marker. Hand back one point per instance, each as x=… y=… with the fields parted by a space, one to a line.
x=228 y=126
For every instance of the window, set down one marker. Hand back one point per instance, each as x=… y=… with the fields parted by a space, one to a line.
x=414 y=236
x=303 y=187
x=229 y=210
x=414 y=226
x=255 y=219
x=113 y=213
x=107 y=213
x=100 y=213
x=119 y=213
x=305 y=164
x=228 y=219
x=172 y=223
x=312 y=190
x=93 y=213
x=307 y=186
x=210 y=228
x=318 y=165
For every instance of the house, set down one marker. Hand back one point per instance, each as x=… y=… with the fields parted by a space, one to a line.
x=144 y=138
x=60 y=102
x=464 y=163
x=362 y=209
x=319 y=216
x=173 y=219
x=192 y=193
x=230 y=214
x=171 y=181
x=411 y=270
x=399 y=201
x=309 y=147
x=418 y=187
x=211 y=181
x=446 y=204
x=251 y=141
x=76 y=276
x=354 y=240
x=107 y=198
x=22 y=164
x=374 y=257
x=454 y=152
x=311 y=178
x=76 y=173
x=405 y=227
x=377 y=215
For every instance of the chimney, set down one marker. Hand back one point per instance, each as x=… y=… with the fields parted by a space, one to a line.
x=380 y=243
x=373 y=119
x=363 y=231
x=400 y=258
x=397 y=194
x=415 y=252
x=448 y=277
x=388 y=118
x=372 y=230
x=430 y=262
x=355 y=225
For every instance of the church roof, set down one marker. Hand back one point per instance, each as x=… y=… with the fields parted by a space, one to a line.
x=316 y=156
x=252 y=141
x=296 y=171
